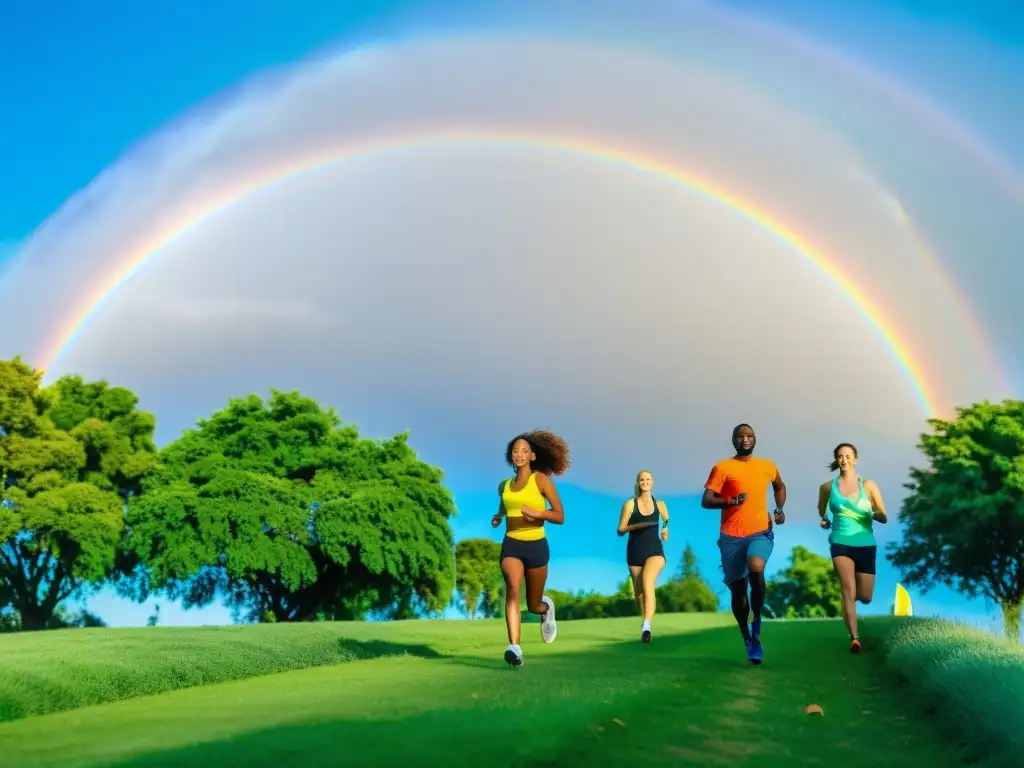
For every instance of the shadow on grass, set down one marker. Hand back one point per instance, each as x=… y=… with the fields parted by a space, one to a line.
x=364 y=650
x=688 y=699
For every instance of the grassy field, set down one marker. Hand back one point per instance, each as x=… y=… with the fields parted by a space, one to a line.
x=438 y=693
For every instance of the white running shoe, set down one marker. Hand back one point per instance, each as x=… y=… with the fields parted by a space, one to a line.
x=548 y=626
x=514 y=656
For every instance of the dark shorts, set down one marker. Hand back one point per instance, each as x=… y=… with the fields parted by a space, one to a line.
x=737 y=550
x=863 y=557
x=533 y=554
x=638 y=550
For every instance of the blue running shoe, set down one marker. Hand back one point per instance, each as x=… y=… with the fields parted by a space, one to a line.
x=754 y=651
x=755 y=628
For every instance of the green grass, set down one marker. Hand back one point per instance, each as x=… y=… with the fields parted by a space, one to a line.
x=597 y=695
x=972 y=680
x=44 y=672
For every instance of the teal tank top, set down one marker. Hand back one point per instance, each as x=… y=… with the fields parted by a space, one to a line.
x=852 y=519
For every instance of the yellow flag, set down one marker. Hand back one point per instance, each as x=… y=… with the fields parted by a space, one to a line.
x=902 y=605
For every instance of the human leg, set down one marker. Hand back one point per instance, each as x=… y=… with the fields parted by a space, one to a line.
x=512 y=570
x=635 y=572
x=864 y=568
x=845 y=571
x=865 y=587
x=759 y=550
x=535 y=581
x=651 y=570
x=536 y=577
x=649 y=576
x=740 y=606
x=734 y=571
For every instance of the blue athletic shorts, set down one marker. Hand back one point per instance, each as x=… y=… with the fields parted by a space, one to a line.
x=736 y=550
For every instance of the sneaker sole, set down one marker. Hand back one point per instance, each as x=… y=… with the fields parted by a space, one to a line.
x=513 y=660
x=553 y=624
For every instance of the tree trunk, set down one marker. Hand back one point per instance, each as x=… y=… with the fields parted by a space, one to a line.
x=34 y=618
x=1011 y=618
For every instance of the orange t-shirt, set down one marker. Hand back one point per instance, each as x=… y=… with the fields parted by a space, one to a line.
x=731 y=477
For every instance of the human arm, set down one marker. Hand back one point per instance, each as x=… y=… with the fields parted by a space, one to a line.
x=496 y=520
x=877 y=504
x=712 y=498
x=779 y=488
x=547 y=488
x=823 y=491
x=624 y=526
x=663 y=510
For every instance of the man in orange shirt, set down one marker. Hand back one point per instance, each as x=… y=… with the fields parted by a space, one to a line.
x=739 y=487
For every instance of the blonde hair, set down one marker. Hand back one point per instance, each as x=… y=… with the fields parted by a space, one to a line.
x=636 y=483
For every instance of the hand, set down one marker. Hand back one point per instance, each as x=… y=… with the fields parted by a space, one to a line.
x=495 y=521
x=825 y=523
x=530 y=514
x=780 y=517
x=735 y=501
x=664 y=534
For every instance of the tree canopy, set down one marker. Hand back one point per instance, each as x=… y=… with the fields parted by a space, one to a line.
x=687 y=591
x=963 y=520
x=68 y=455
x=808 y=588
x=290 y=516
x=478 y=577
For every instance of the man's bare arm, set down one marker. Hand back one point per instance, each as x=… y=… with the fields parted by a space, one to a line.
x=779 y=487
x=712 y=500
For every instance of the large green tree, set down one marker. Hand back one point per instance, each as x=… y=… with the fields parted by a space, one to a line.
x=687 y=591
x=290 y=516
x=69 y=454
x=808 y=588
x=963 y=520
x=478 y=576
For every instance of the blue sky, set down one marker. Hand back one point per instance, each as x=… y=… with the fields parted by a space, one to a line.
x=84 y=82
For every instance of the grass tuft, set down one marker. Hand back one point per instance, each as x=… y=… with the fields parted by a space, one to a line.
x=45 y=672
x=972 y=680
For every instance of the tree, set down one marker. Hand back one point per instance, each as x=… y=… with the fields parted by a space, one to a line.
x=61 y=618
x=68 y=453
x=963 y=521
x=808 y=588
x=478 y=573
x=291 y=516
x=687 y=591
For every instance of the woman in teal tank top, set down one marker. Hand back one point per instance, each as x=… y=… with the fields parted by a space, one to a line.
x=855 y=504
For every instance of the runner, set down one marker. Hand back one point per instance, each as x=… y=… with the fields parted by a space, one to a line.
x=645 y=554
x=739 y=487
x=524 y=503
x=855 y=503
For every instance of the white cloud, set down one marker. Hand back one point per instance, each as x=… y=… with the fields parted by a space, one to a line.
x=469 y=291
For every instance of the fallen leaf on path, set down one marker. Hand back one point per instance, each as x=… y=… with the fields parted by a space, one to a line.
x=814 y=709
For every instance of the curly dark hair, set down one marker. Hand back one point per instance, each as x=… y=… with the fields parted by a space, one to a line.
x=552 y=452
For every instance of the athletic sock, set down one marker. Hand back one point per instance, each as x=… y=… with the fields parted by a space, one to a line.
x=646 y=627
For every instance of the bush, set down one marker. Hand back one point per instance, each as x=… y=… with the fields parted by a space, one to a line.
x=974 y=681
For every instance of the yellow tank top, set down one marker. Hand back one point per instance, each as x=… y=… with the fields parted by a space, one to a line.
x=515 y=526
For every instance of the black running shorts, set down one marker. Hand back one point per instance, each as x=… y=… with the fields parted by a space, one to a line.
x=863 y=557
x=533 y=554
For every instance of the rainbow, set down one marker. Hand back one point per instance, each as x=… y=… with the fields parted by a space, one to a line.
x=137 y=254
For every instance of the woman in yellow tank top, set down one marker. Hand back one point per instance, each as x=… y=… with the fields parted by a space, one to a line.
x=523 y=502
